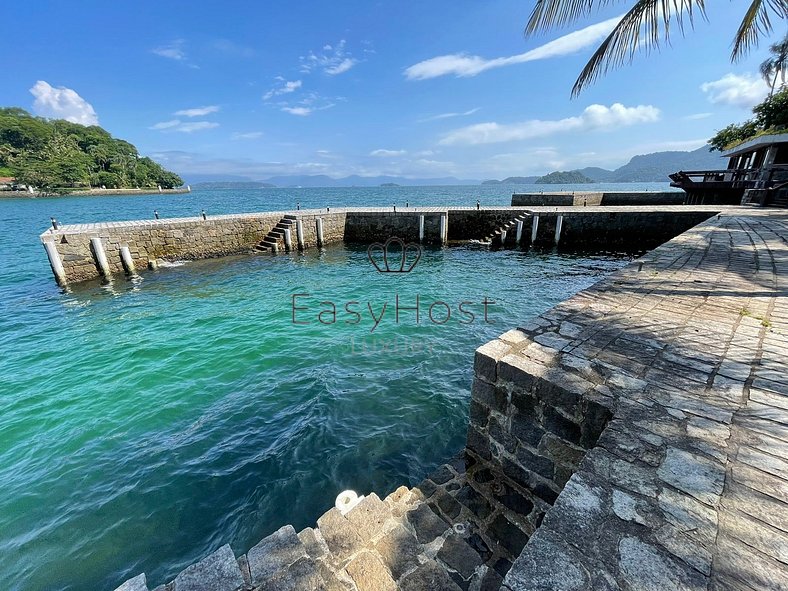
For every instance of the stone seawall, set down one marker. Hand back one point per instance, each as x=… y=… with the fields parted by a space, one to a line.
x=181 y=238
x=593 y=198
x=72 y=247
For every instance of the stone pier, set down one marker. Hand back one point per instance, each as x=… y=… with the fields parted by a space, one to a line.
x=74 y=254
x=634 y=437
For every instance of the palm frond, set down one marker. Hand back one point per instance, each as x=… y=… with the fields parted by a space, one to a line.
x=556 y=13
x=756 y=22
x=643 y=27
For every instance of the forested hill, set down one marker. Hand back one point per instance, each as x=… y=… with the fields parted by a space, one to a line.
x=55 y=155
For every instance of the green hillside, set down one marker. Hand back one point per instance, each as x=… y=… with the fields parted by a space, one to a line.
x=54 y=155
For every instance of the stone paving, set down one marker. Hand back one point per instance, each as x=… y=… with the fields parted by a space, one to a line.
x=634 y=437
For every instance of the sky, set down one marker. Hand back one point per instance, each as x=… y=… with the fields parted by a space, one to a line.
x=414 y=89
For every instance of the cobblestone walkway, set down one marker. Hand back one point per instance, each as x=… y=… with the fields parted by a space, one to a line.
x=634 y=437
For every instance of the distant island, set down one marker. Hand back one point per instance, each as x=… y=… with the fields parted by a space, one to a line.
x=646 y=168
x=571 y=177
x=57 y=156
x=233 y=185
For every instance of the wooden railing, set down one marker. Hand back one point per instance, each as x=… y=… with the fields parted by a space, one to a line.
x=744 y=178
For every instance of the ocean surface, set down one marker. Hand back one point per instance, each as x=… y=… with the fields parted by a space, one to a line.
x=146 y=422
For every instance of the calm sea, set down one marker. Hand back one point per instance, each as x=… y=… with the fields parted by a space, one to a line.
x=147 y=422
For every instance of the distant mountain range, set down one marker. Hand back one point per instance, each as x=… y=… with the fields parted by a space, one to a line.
x=645 y=168
x=648 y=168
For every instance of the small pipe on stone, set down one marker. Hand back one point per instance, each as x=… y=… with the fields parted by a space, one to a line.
x=298 y=206
x=478 y=204
x=55 y=224
x=394 y=205
x=205 y=217
x=156 y=213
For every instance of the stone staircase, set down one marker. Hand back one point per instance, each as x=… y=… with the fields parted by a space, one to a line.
x=456 y=531
x=506 y=235
x=274 y=241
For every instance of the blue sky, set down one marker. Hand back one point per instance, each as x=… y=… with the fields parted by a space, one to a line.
x=427 y=89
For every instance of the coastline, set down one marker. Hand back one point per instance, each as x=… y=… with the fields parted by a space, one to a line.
x=94 y=193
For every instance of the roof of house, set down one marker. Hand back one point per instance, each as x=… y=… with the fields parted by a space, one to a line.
x=6 y=179
x=755 y=143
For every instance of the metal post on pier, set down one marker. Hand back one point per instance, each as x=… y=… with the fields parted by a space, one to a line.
x=421 y=228
x=300 y=234
x=559 y=224
x=126 y=260
x=100 y=256
x=444 y=228
x=519 y=231
x=534 y=227
x=288 y=240
x=319 y=223
x=54 y=261
x=503 y=237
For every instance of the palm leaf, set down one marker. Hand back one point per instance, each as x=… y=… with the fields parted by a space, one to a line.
x=756 y=22
x=643 y=27
x=555 y=13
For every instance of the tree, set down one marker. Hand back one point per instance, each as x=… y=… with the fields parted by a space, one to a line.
x=56 y=155
x=644 y=26
x=771 y=116
x=775 y=65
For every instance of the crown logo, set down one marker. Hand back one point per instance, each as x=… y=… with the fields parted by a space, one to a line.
x=409 y=254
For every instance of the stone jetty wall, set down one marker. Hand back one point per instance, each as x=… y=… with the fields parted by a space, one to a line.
x=592 y=198
x=195 y=238
x=148 y=240
x=377 y=226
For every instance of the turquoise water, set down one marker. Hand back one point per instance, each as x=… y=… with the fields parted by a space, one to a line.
x=147 y=422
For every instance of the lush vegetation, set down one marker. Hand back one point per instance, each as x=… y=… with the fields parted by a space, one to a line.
x=563 y=178
x=54 y=155
x=771 y=116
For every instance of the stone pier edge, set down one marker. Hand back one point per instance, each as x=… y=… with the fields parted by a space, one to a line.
x=633 y=437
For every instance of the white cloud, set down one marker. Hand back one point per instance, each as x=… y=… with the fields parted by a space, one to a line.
x=166 y=124
x=173 y=50
x=737 y=91
x=387 y=153
x=287 y=87
x=300 y=111
x=332 y=60
x=696 y=116
x=196 y=126
x=462 y=65
x=198 y=111
x=594 y=117
x=183 y=126
x=248 y=135
x=450 y=115
x=62 y=103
